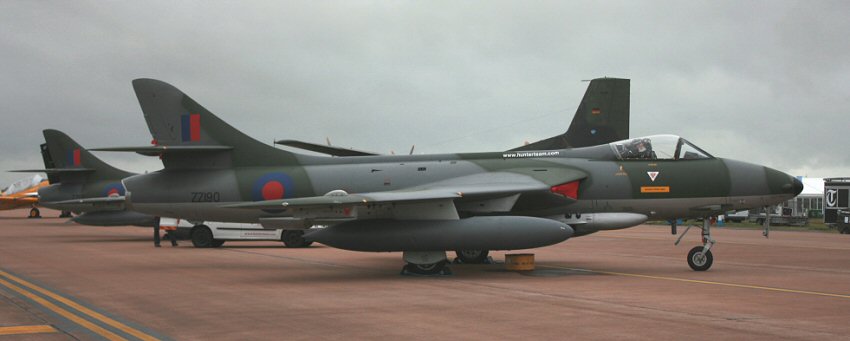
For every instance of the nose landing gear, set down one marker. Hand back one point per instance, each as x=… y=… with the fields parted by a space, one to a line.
x=700 y=257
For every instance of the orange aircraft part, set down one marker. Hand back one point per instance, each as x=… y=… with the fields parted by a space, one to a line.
x=23 y=198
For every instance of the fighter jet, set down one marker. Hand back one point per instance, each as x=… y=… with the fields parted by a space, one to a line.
x=82 y=183
x=602 y=117
x=23 y=193
x=86 y=185
x=425 y=205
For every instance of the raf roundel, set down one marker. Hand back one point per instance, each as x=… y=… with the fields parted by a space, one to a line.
x=113 y=190
x=272 y=186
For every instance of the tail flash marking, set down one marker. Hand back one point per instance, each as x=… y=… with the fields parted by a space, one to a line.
x=74 y=157
x=191 y=127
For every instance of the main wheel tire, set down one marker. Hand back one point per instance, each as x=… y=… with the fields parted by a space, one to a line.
x=217 y=242
x=294 y=239
x=699 y=261
x=65 y=214
x=472 y=256
x=426 y=269
x=202 y=236
x=34 y=213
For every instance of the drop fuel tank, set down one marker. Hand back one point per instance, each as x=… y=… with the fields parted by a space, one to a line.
x=114 y=218
x=475 y=233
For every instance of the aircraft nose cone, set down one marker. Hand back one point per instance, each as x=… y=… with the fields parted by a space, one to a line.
x=797 y=186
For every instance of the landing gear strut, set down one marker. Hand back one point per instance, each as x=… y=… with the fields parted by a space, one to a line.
x=700 y=257
x=426 y=263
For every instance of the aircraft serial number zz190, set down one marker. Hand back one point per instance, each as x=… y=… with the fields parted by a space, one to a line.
x=206 y=197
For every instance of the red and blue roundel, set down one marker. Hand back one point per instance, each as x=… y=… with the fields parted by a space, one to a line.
x=273 y=186
x=113 y=190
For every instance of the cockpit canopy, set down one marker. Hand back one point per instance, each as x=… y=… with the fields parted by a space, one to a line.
x=23 y=184
x=658 y=147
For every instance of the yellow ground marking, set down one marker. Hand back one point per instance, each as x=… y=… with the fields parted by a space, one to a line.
x=746 y=286
x=18 y=330
x=98 y=316
x=67 y=314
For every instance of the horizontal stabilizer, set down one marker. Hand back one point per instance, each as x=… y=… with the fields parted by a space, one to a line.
x=158 y=150
x=329 y=150
x=54 y=170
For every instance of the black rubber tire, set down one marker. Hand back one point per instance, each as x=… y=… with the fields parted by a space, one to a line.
x=294 y=239
x=697 y=262
x=202 y=236
x=472 y=256
x=34 y=213
x=65 y=214
x=217 y=242
x=426 y=269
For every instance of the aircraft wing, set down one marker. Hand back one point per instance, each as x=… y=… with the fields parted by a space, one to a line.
x=485 y=193
x=22 y=200
x=104 y=203
x=350 y=199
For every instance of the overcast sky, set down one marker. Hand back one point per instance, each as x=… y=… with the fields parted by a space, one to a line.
x=762 y=81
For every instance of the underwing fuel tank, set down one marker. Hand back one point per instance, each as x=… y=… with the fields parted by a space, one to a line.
x=593 y=222
x=114 y=218
x=475 y=233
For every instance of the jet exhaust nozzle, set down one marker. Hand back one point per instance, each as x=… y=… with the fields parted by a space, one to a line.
x=476 y=233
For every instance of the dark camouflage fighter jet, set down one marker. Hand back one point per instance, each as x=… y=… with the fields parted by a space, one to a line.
x=424 y=205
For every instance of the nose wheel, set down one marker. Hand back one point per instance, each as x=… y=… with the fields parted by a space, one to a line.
x=700 y=257
x=700 y=260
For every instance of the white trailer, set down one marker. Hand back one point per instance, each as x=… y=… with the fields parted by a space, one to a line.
x=215 y=234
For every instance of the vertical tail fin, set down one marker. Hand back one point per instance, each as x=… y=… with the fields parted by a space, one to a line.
x=65 y=158
x=602 y=117
x=176 y=120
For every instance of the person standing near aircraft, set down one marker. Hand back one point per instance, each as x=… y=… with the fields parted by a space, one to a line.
x=171 y=230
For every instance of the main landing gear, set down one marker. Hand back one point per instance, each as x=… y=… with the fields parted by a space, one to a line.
x=473 y=257
x=65 y=214
x=34 y=213
x=426 y=263
x=700 y=257
x=294 y=239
